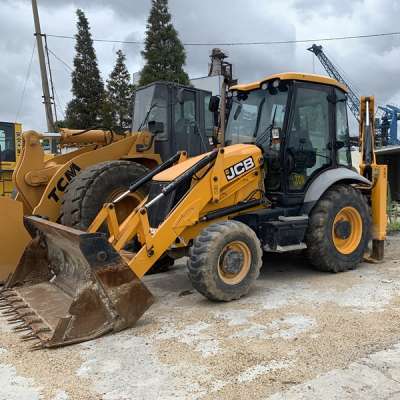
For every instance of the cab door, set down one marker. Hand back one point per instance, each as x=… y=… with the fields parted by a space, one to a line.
x=187 y=128
x=309 y=142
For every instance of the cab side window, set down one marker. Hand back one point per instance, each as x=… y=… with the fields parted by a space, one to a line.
x=158 y=112
x=208 y=117
x=185 y=113
x=7 y=143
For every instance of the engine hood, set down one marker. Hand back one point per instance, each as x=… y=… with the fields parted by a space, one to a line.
x=236 y=150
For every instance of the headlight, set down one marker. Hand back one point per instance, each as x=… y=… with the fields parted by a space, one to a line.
x=275 y=83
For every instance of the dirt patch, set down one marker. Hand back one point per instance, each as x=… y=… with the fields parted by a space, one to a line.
x=48 y=373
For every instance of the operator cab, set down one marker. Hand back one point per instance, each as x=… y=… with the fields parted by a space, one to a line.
x=300 y=123
x=7 y=143
x=178 y=115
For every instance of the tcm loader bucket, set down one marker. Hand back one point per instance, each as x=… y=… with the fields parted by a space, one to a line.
x=13 y=236
x=71 y=286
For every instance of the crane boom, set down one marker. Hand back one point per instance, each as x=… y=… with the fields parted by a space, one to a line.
x=353 y=98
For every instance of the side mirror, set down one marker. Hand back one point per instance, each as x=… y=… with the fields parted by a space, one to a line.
x=276 y=133
x=156 y=127
x=180 y=96
x=213 y=104
x=340 y=144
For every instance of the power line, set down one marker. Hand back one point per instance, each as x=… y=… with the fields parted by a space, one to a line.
x=97 y=40
x=50 y=77
x=60 y=60
x=61 y=105
x=28 y=73
x=326 y=39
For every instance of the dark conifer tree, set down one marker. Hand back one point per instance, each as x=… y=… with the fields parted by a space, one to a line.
x=164 y=53
x=85 y=109
x=120 y=94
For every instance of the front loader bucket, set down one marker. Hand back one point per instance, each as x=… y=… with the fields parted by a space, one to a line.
x=13 y=236
x=71 y=286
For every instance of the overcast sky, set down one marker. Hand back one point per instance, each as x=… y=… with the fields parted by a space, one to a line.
x=372 y=65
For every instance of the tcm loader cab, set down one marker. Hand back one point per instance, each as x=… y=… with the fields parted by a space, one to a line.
x=179 y=116
x=10 y=149
x=283 y=182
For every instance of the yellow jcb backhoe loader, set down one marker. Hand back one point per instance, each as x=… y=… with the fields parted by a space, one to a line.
x=71 y=188
x=283 y=182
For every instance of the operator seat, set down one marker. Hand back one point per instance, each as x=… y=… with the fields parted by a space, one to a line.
x=301 y=154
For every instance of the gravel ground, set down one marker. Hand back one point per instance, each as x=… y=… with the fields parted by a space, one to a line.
x=299 y=334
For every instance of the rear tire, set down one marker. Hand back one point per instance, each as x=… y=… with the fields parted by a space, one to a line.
x=99 y=184
x=339 y=230
x=225 y=260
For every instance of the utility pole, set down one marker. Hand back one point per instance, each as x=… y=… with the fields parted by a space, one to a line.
x=43 y=72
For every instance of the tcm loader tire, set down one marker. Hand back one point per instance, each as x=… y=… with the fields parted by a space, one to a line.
x=225 y=260
x=99 y=184
x=339 y=230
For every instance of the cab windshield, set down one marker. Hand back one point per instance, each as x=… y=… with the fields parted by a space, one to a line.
x=150 y=105
x=254 y=114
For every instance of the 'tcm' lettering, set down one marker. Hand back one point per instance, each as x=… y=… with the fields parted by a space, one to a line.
x=61 y=185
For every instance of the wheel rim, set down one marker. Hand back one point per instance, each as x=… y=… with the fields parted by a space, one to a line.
x=347 y=230
x=125 y=206
x=234 y=262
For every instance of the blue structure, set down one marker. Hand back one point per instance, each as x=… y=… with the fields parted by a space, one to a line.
x=388 y=124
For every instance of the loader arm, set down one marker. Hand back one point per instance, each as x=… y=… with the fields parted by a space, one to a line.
x=213 y=191
x=41 y=182
x=33 y=171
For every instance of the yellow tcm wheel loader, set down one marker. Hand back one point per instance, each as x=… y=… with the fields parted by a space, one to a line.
x=283 y=182
x=71 y=188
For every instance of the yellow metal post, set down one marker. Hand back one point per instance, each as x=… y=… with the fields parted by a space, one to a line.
x=376 y=173
x=379 y=210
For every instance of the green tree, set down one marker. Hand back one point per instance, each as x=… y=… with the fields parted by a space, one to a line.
x=164 y=53
x=120 y=94
x=85 y=109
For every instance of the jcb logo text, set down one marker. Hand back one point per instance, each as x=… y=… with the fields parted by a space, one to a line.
x=239 y=168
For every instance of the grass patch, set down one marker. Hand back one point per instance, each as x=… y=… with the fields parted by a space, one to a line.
x=394 y=226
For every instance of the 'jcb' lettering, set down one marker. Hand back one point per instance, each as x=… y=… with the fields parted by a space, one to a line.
x=239 y=168
x=63 y=182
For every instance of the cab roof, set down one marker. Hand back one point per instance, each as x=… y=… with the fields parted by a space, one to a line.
x=297 y=76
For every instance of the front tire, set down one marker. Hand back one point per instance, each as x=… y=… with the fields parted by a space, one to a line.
x=99 y=184
x=225 y=260
x=339 y=230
